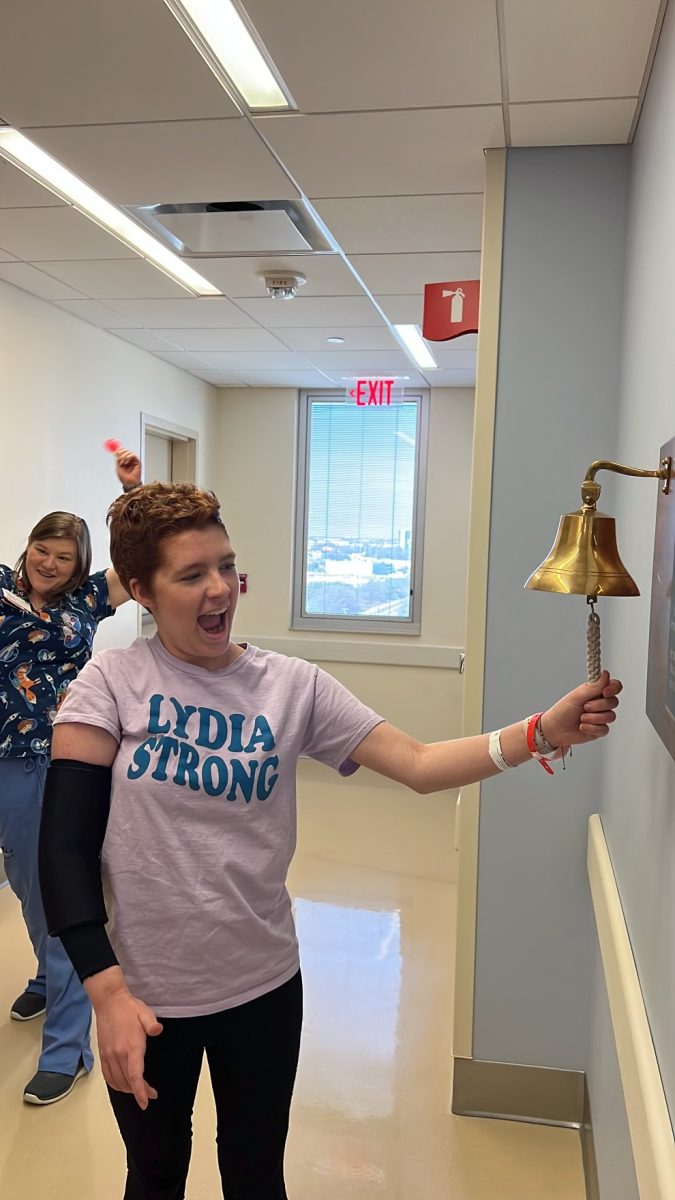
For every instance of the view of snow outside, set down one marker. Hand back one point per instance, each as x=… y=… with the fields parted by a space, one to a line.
x=360 y=510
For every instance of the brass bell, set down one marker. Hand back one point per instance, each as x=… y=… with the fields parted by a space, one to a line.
x=584 y=559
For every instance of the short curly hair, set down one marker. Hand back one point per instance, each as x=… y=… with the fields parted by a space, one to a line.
x=141 y=519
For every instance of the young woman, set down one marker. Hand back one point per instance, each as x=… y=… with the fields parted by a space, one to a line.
x=176 y=758
x=50 y=607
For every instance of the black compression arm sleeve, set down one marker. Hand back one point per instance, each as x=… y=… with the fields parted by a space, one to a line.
x=89 y=950
x=74 y=817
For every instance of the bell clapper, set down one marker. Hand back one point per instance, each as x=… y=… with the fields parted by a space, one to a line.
x=593 y=668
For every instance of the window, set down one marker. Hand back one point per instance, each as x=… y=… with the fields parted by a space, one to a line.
x=360 y=513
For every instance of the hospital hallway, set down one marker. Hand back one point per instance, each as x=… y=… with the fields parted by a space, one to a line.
x=371 y=1115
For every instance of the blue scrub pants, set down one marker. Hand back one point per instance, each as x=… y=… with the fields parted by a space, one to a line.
x=67 y=1024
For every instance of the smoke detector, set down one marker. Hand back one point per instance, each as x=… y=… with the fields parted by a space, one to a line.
x=283 y=286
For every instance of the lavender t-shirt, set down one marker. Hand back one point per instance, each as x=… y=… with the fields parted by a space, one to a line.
x=202 y=820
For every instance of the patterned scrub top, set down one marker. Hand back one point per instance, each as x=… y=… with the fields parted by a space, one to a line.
x=40 y=655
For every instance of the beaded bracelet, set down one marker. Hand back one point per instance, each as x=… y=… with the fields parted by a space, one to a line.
x=537 y=744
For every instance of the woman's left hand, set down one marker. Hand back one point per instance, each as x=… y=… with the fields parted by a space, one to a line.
x=584 y=714
x=128 y=468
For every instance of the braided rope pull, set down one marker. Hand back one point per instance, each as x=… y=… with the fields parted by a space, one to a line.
x=593 y=668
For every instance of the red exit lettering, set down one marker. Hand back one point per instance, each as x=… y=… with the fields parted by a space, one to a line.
x=372 y=391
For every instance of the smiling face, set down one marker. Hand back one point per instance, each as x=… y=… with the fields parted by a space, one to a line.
x=193 y=596
x=50 y=565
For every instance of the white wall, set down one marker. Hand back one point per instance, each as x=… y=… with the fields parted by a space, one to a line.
x=257 y=436
x=638 y=802
x=561 y=296
x=66 y=386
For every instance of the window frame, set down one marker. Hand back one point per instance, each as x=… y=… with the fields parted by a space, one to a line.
x=410 y=626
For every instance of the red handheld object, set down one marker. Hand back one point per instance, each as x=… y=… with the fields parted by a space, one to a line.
x=112 y=445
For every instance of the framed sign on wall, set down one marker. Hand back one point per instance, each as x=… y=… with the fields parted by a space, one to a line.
x=661 y=665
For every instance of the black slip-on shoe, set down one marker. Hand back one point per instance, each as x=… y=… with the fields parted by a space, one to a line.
x=46 y=1087
x=27 y=1006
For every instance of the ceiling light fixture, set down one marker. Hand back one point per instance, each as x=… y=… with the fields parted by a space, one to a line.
x=335 y=341
x=230 y=46
x=416 y=347
x=23 y=153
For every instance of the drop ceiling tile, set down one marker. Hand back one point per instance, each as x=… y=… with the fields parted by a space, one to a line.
x=307 y=313
x=52 y=234
x=326 y=274
x=394 y=224
x=413 y=378
x=178 y=358
x=376 y=362
x=217 y=378
x=383 y=54
x=571 y=123
x=237 y=361
x=365 y=337
x=580 y=49
x=294 y=379
x=252 y=339
x=453 y=360
x=117 y=279
x=18 y=190
x=402 y=310
x=143 y=339
x=451 y=378
x=88 y=61
x=199 y=312
x=170 y=163
x=25 y=276
x=95 y=313
x=386 y=153
x=408 y=376
x=403 y=274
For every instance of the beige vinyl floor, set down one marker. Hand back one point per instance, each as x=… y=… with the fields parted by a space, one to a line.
x=371 y=1114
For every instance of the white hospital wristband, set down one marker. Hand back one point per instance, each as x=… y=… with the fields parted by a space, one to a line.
x=496 y=753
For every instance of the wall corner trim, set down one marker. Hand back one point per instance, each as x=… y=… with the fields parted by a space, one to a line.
x=477 y=583
x=515 y=1092
x=588 y=1151
x=651 y=1131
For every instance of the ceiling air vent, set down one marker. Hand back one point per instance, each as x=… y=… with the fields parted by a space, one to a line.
x=220 y=229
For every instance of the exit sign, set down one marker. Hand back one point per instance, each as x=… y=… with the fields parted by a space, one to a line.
x=374 y=392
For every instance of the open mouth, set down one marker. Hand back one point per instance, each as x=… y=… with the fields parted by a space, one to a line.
x=212 y=624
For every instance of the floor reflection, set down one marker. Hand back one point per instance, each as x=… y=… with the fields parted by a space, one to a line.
x=371 y=1116
x=351 y=962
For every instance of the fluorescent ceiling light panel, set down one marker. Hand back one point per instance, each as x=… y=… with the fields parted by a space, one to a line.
x=416 y=347
x=24 y=154
x=227 y=43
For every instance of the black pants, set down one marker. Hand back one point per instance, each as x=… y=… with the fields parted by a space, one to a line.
x=252 y=1052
